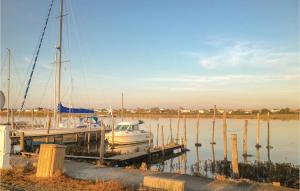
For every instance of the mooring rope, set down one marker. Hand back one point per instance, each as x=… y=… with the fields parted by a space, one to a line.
x=36 y=56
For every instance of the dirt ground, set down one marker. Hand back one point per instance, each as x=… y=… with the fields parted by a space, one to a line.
x=22 y=179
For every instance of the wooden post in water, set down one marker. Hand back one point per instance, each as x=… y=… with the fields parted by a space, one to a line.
x=198 y=161
x=268 y=138
x=177 y=130
x=102 y=145
x=171 y=135
x=22 y=142
x=234 y=156
x=96 y=137
x=89 y=138
x=157 y=133
x=197 y=144
x=113 y=130
x=162 y=140
x=214 y=123
x=245 y=153
x=185 y=141
x=32 y=118
x=150 y=136
x=48 y=126
x=224 y=136
x=12 y=119
x=257 y=131
x=77 y=137
x=213 y=158
x=257 y=155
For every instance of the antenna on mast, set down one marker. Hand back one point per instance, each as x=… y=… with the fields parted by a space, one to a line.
x=8 y=84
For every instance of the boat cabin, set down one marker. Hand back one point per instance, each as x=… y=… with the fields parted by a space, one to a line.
x=128 y=126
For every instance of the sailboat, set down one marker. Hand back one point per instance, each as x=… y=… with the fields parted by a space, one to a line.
x=89 y=121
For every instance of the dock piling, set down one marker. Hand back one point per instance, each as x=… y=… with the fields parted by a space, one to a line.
x=12 y=119
x=113 y=130
x=268 y=138
x=258 y=131
x=77 y=137
x=22 y=142
x=185 y=141
x=32 y=118
x=102 y=145
x=150 y=136
x=157 y=134
x=197 y=144
x=177 y=129
x=48 y=126
x=214 y=123
x=245 y=154
x=234 y=156
x=162 y=140
x=224 y=136
x=171 y=135
x=89 y=138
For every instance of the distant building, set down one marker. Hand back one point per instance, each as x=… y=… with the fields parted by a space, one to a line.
x=132 y=111
x=275 y=110
x=185 y=111
x=221 y=110
x=248 y=111
x=202 y=111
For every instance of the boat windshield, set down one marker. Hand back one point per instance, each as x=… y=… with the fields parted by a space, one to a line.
x=123 y=128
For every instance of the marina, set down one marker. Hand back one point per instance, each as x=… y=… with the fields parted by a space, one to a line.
x=149 y=96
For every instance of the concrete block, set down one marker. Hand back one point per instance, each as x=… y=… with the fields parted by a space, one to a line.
x=4 y=161
x=164 y=183
x=5 y=146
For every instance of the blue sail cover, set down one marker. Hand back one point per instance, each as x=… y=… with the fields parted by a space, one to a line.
x=62 y=109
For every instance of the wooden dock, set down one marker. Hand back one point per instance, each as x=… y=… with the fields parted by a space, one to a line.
x=29 y=139
x=123 y=159
x=136 y=156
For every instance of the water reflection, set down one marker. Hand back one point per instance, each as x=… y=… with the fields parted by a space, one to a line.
x=257 y=154
x=197 y=165
x=269 y=154
x=213 y=158
x=127 y=149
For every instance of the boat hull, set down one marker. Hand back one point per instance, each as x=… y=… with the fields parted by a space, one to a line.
x=126 y=139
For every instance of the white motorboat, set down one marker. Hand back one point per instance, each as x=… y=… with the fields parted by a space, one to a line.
x=128 y=133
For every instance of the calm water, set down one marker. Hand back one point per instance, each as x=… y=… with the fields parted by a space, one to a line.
x=284 y=137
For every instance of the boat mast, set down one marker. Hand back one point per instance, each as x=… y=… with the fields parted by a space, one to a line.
x=8 y=85
x=59 y=50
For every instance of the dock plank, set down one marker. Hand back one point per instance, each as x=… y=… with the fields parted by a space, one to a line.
x=140 y=154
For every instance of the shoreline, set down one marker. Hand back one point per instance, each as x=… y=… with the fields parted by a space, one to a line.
x=284 y=117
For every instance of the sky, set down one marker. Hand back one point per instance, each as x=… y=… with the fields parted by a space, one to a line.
x=171 y=53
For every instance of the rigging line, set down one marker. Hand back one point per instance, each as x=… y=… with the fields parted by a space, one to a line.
x=19 y=81
x=28 y=67
x=3 y=67
x=37 y=54
x=78 y=35
x=3 y=63
x=46 y=87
